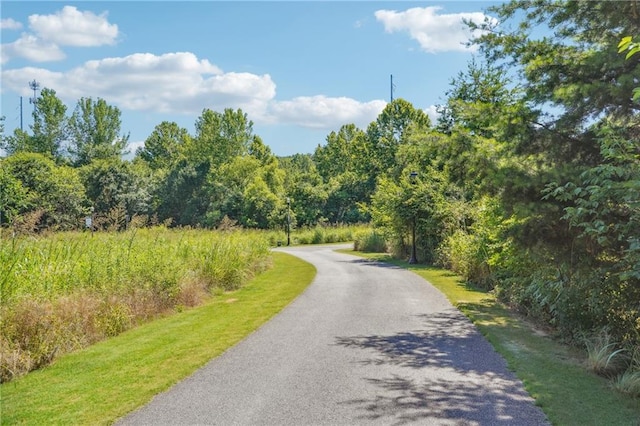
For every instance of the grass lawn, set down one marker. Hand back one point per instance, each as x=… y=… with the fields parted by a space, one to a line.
x=551 y=371
x=108 y=380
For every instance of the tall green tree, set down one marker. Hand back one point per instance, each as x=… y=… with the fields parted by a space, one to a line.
x=182 y=195
x=49 y=129
x=346 y=167
x=164 y=145
x=603 y=205
x=341 y=152
x=49 y=125
x=570 y=272
x=196 y=191
x=19 y=141
x=94 y=131
x=260 y=151
x=220 y=137
x=305 y=188
x=485 y=102
x=575 y=73
x=246 y=190
x=390 y=130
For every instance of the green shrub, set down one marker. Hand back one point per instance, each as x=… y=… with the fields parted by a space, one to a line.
x=319 y=236
x=325 y=234
x=466 y=254
x=628 y=383
x=370 y=242
x=604 y=357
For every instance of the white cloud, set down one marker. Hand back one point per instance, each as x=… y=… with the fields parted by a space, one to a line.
x=15 y=80
x=71 y=27
x=10 y=24
x=67 y=27
x=181 y=83
x=31 y=48
x=173 y=82
x=434 y=32
x=321 y=112
x=432 y=112
x=132 y=147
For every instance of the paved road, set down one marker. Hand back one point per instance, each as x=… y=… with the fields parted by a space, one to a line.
x=366 y=343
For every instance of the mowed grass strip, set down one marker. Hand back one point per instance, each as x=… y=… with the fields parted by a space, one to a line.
x=552 y=373
x=104 y=382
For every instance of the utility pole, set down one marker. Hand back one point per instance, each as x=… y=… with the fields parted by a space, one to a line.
x=21 y=113
x=392 y=87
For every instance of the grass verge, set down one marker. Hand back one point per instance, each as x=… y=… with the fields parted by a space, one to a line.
x=552 y=373
x=110 y=379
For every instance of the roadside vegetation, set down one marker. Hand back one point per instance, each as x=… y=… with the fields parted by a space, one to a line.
x=319 y=234
x=66 y=291
x=105 y=381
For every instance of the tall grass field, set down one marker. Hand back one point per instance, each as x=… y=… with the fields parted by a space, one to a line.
x=66 y=291
x=319 y=234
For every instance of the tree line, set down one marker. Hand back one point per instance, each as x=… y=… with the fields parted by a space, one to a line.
x=527 y=184
x=70 y=166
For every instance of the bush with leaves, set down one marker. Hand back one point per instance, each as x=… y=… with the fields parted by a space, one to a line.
x=604 y=205
x=472 y=249
x=117 y=185
x=55 y=191
x=398 y=206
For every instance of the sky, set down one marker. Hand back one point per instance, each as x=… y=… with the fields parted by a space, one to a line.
x=299 y=69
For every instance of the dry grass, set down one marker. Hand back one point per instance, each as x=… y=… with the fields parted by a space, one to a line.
x=70 y=290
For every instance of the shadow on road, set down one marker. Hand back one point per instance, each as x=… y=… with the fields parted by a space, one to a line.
x=402 y=400
x=451 y=373
x=370 y=262
x=448 y=339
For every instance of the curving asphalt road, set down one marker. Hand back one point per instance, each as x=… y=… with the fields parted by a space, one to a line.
x=366 y=343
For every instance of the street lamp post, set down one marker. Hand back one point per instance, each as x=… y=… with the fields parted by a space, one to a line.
x=413 y=259
x=288 y=221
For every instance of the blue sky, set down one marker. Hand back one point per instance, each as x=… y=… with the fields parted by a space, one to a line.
x=299 y=69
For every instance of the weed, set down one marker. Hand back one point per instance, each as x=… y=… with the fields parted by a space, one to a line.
x=603 y=355
x=628 y=382
x=113 y=318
